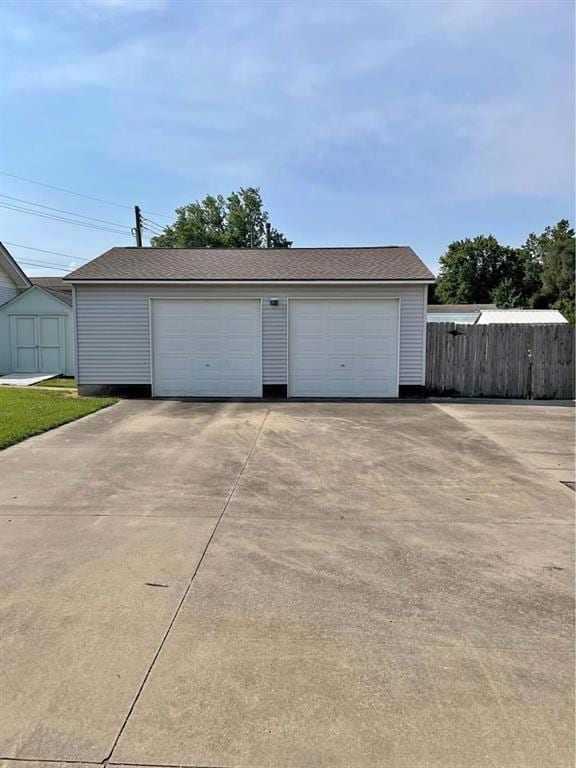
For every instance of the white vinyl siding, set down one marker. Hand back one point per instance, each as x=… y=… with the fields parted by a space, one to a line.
x=8 y=288
x=113 y=326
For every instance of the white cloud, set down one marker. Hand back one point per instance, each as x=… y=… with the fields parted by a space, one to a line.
x=248 y=89
x=516 y=149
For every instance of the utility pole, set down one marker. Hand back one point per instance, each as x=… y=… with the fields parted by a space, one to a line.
x=137 y=231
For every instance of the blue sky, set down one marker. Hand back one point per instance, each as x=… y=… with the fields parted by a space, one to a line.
x=364 y=123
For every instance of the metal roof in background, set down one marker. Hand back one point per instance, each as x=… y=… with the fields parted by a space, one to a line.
x=458 y=308
x=527 y=316
x=464 y=318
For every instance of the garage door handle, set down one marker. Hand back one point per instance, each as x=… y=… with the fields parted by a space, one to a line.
x=342 y=365
x=207 y=365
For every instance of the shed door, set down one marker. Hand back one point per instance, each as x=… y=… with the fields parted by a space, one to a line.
x=207 y=347
x=36 y=343
x=343 y=347
x=49 y=340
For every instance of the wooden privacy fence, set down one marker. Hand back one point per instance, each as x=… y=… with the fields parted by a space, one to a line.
x=530 y=361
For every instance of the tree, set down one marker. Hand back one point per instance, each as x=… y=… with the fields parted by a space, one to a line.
x=552 y=256
x=471 y=270
x=506 y=295
x=237 y=221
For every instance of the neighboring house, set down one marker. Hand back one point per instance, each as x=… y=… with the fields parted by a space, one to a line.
x=467 y=314
x=36 y=322
x=207 y=322
x=12 y=278
x=488 y=314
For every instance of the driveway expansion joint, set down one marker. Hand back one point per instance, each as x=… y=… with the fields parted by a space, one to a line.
x=167 y=765
x=48 y=760
x=104 y=762
x=107 y=759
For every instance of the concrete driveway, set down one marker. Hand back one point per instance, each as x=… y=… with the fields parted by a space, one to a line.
x=286 y=586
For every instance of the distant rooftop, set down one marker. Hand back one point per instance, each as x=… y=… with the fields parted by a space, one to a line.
x=55 y=286
x=464 y=318
x=488 y=314
x=459 y=307
x=532 y=316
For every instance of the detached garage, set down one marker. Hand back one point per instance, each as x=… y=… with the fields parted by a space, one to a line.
x=298 y=322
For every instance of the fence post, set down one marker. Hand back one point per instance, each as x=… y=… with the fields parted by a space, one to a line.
x=532 y=361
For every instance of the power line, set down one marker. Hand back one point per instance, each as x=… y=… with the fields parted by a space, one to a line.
x=32 y=261
x=45 y=215
x=151 y=226
x=160 y=226
x=42 y=250
x=46 y=264
x=61 y=210
x=78 y=194
x=42 y=215
x=149 y=229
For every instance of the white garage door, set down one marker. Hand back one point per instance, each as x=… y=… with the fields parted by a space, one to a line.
x=343 y=348
x=207 y=347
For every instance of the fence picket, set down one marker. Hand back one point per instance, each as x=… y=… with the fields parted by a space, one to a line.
x=501 y=360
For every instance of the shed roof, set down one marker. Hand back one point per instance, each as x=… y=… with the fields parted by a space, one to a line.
x=466 y=318
x=55 y=286
x=458 y=308
x=398 y=263
x=529 y=316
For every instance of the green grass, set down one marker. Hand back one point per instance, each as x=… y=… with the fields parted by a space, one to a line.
x=27 y=412
x=59 y=381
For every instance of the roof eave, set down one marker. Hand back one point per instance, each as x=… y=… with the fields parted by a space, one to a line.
x=277 y=281
x=9 y=264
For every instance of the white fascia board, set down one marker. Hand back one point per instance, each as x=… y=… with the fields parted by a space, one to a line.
x=251 y=282
x=18 y=296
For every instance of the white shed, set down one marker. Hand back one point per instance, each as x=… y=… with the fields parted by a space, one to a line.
x=36 y=322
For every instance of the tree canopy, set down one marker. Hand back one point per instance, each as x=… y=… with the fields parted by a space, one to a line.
x=236 y=221
x=539 y=274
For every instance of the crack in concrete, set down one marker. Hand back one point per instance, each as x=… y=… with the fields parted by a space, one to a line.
x=104 y=763
x=108 y=758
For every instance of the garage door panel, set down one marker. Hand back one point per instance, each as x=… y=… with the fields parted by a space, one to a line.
x=236 y=367
x=376 y=366
x=307 y=324
x=344 y=345
x=239 y=326
x=343 y=348
x=207 y=348
x=242 y=346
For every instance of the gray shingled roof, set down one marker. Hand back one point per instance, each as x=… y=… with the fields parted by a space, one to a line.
x=293 y=264
x=55 y=286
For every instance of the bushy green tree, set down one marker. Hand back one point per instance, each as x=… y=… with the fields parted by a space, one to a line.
x=540 y=274
x=236 y=221
x=472 y=269
x=554 y=254
x=506 y=295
